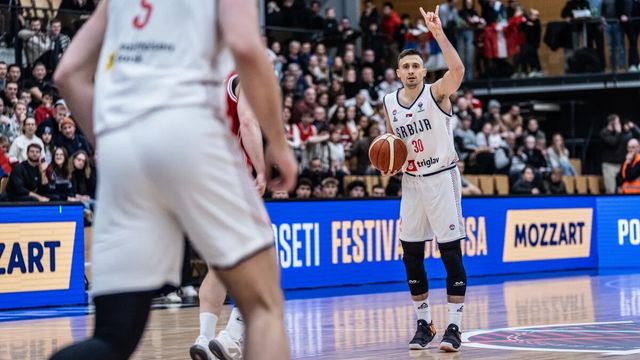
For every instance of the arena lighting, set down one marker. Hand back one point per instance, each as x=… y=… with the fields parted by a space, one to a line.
x=546 y=107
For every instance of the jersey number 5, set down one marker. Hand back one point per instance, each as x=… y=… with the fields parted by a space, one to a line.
x=417 y=145
x=140 y=22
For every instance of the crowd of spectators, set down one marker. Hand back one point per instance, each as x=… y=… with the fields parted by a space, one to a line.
x=333 y=79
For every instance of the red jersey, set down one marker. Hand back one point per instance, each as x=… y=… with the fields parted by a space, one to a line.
x=232 y=112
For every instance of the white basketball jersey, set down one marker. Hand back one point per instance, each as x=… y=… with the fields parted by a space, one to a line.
x=426 y=131
x=159 y=54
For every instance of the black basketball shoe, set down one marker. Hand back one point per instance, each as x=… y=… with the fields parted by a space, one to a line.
x=451 y=339
x=424 y=335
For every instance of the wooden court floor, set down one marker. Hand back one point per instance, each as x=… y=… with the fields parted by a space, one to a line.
x=579 y=317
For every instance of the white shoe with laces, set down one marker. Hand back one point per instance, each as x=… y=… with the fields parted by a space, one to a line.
x=173 y=297
x=189 y=291
x=225 y=348
x=200 y=350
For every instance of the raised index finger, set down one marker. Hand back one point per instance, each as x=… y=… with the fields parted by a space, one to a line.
x=437 y=10
x=424 y=14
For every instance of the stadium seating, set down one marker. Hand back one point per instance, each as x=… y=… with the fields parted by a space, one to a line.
x=502 y=184
x=570 y=184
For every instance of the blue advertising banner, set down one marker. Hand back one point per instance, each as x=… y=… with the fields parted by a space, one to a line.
x=618 y=231
x=41 y=256
x=332 y=243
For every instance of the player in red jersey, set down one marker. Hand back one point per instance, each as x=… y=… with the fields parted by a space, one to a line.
x=227 y=344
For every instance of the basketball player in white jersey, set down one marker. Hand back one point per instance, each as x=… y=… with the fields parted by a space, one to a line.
x=227 y=345
x=159 y=82
x=420 y=114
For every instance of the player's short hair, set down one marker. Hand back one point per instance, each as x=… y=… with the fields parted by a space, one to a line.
x=408 y=52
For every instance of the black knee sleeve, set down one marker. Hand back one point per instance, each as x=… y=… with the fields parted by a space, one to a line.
x=413 y=259
x=451 y=255
x=120 y=322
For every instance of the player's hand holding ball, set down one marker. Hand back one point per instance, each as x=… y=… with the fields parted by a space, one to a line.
x=388 y=154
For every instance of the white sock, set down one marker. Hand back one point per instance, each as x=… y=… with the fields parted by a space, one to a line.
x=235 y=326
x=423 y=310
x=455 y=314
x=208 y=322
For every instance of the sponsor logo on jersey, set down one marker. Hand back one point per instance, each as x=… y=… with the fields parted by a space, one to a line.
x=547 y=234
x=420 y=107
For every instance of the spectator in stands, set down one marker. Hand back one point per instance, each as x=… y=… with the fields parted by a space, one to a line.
x=316 y=21
x=14 y=74
x=525 y=185
x=314 y=172
x=487 y=141
x=320 y=118
x=357 y=189
x=462 y=109
x=5 y=163
x=527 y=61
x=59 y=42
x=19 y=148
x=468 y=189
x=533 y=129
x=282 y=194
x=558 y=155
x=330 y=188
x=49 y=147
x=470 y=22
x=60 y=112
x=631 y=9
x=45 y=110
x=368 y=87
x=60 y=186
x=512 y=121
x=26 y=97
x=83 y=178
x=374 y=40
x=369 y=16
x=36 y=42
x=28 y=181
x=330 y=30
x=3 y=73
x=492 y=115
x=533 y=156
x=595 y=38
x=70 y=139
x=292 y=132
x=615 y=137
x=347 y=33
x=10 y=94
x=378 y=191
x=449 y=18
x=465 y=138
x=394 y=187
x=306 y=105
x=7 y=127
x=611 y=12
x=337 y=152
x=630 y=171
x=38 y=84
x=360 y=150
x=554 y=185
x=388 y=24
x=304 y=188
x=389 y=84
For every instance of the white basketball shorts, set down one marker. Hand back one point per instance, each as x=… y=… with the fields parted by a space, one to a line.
x=175 y=172
x=430 y=207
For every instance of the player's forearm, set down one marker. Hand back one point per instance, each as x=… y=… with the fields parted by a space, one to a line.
x=252 y=142
x=74 y=75
x=260 y=87
x=451 y=57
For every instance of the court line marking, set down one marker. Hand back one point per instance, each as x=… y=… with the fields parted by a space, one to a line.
x=466 y=342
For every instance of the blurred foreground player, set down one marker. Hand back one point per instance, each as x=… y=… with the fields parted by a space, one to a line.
x=420 y=114
x=156 y=64
x=227 y=344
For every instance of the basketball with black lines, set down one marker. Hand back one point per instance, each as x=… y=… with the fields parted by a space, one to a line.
x=388 y=153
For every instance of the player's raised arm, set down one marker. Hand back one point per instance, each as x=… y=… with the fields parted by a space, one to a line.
x=239 y=23
x=452 y=79
x=74 y=75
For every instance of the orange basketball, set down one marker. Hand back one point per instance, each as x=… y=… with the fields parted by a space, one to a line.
x=388 y=153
